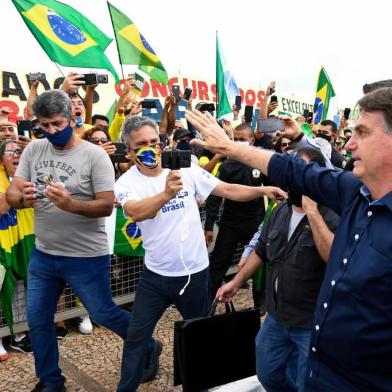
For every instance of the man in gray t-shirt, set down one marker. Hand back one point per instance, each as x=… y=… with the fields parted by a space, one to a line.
x=69 y=182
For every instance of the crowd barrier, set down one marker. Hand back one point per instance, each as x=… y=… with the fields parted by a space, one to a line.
x=125 y=274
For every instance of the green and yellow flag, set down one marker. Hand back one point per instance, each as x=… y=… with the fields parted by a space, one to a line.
x=17 y=240
x=67 y=37
x=133 y=48
x=324 y=92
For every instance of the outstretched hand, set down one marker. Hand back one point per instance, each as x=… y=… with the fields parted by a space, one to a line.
x=215 y=138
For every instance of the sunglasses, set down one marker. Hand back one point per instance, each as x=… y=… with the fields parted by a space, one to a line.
x=13 y=153
x=285 y=144
x=97 y=140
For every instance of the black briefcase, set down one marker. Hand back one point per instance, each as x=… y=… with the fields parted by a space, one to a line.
x=216 y=349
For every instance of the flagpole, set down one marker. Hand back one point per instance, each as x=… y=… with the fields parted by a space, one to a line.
x=59 y=68
x=115 y=37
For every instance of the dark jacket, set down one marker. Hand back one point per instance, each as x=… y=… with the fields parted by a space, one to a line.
x=296 y=264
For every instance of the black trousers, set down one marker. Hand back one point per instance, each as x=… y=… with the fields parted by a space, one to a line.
x=227 y=241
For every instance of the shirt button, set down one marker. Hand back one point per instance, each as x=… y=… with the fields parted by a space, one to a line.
x=356 y=237
x=370 y=213
x=325 y=305
x=345 y=261
x=333 y=283
x=314 y=349
x=310 y=374
x=317 y=327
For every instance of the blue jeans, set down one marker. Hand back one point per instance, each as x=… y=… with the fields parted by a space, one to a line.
x=153 y=295
x=276 y=346
x=89 y=278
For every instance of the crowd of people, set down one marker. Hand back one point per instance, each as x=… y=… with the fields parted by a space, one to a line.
x=310 y=203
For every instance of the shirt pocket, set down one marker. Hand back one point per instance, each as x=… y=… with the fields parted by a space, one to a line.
x=274 y=246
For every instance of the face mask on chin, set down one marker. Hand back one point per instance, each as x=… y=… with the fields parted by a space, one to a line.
x=60 y=138
x=79 y=122
x=328 y=138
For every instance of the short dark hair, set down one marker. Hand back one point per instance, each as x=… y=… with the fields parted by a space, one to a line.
x=245 y=127
x=379 y=100
x=313 y=154
x=99 y=117
x=370 y=87
x=330 y=123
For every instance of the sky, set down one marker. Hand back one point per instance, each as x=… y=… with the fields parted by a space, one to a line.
x=282 y=40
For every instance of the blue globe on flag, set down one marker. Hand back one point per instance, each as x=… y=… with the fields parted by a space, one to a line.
x=146 y=44
x=64 y=30
x=133 y=230
x=319 y=112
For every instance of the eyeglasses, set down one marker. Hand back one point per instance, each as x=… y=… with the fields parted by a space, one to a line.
x=285 y=144
x=13 y=153
x=97 y=140
x=158 y=146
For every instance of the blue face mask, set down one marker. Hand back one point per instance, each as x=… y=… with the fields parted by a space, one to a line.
x=60 y=138
x=78 y=122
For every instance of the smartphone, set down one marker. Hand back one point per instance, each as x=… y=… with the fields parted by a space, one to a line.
x=248 y=114
x=271 y=90
x=207 y=107
x=274 y=99
x=346 y=113
x=37 y=76
x=270 y=125
x=24 y=128
x=176 y=91
x=306 y=114
x=103 y=78
x=90 y=79
x=175 y=159
x=121 y=152
x=310 y=117
x=149 y=104
x=238 y=102
x=187 y=93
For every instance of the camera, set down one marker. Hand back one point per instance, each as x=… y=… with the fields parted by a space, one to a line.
x=103 y=78
x=37 y=76
x=175 y=159
x=89 y=79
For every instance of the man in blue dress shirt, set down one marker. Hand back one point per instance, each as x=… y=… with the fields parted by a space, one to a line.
x=351 y=344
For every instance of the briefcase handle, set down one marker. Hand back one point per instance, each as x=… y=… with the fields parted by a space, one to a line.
x=229 y=308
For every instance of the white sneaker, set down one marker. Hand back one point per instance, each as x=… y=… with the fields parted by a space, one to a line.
x=85 y=325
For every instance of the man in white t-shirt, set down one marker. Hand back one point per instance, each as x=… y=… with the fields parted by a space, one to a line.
x=164 y=204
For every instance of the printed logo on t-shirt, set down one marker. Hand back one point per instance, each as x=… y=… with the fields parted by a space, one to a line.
x=175 y=204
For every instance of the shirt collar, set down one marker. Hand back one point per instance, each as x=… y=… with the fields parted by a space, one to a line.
x=386 y=200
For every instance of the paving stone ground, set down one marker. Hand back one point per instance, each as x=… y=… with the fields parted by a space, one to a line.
x=91 y=363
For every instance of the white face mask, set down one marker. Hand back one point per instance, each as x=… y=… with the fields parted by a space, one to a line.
x=243 y=143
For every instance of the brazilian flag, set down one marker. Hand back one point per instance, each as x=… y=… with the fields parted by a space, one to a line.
x=324 y=92
x=17 y=240
x=67 y=37
x=133 y=48
x=128 y=237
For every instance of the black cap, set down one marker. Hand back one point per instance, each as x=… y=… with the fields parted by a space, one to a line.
x=181 y=133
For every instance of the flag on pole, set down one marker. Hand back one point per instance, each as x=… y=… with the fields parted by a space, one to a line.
x=133 y=48
x=67 y=37
x=226 y=87
x=124 y=235
x=324 y=92
x=17 y=240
